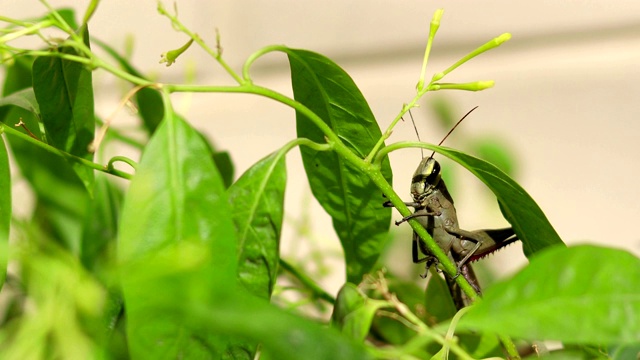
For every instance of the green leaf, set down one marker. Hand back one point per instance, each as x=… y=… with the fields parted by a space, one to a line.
x=69 y=17
x=284 y=336
x=61 y=198
x=24 y=98
x=520 y=210
x=150 y=108
x=177 y=245
x=345 y=192
x=583 y=294
x=438 y=302
x=443 y=111
x=64 y=92
x=625 y=351
x=17 y=77
x=354 y=312
x=100 y=226
x=5 y=210
x=223 y=162
x=63 y=319
x=496 y=152
x=257 y=204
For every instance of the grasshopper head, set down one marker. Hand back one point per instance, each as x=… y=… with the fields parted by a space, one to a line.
x=425 y=179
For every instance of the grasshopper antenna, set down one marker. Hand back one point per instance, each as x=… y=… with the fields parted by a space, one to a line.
x=450 y=131
x=417 y=134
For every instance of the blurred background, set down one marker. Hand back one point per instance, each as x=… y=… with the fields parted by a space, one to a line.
x=565 y=108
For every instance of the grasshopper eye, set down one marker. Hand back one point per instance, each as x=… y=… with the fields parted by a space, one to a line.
x=426 y=177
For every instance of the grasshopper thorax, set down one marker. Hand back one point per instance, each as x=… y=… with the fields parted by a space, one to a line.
x=425 y=179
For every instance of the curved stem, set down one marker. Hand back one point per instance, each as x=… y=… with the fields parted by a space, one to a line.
x=397 y=146
x=248 y=88
x=253 y=57
x=123 y=159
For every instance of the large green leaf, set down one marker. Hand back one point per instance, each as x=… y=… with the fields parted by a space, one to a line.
x=257 y=202
x=283 y=336
x=64 y=92
x=177 y=245
x=5 y=209
x=344 y=191
x=520 y=210
x=582 y=294
x=61 y=197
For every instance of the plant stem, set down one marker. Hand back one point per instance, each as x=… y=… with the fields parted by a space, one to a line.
x=433 y=29
x=308 y=283
x=26 y=31
x=175 y=22
x=509 y=347
x=105 y=169
x=123 y=159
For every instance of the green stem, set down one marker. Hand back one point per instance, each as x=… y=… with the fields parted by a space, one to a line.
x=248 y=88
x=424 y=336
x=433 y=29
x=493 y=43
x=308 y=283
x=175 y=22
x=105 y=169
x=509 y=347
x=448 y=266
x=121 y=73
x=256 y=55
x=26 y=31
x=15 y=22
x=123 y=159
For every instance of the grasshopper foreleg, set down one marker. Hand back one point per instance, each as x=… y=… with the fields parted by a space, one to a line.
x=418 y=214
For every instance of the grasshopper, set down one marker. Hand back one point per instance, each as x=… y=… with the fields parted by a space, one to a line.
x=435 y=211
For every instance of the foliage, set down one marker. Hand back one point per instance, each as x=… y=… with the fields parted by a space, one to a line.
x=183 y=262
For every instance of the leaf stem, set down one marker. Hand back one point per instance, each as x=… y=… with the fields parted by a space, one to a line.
x=493 y=43
x=255 y=56
x=308 y=283
x=26 y=31
x=123 y=159
x=105 y=169
x=217 y=55
x=425 y=333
